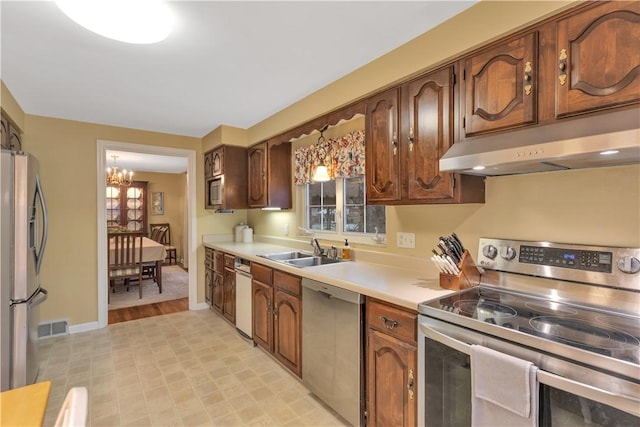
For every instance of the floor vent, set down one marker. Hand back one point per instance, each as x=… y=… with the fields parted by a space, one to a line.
x=53 y=328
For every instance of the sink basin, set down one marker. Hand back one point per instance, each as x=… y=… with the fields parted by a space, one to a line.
x=285 y=256
x=311 y=261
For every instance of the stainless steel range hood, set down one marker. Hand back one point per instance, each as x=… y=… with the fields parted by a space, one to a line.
x=605 y=140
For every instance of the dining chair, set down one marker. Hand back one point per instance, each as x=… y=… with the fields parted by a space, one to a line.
x=149 y=270
x=125 y=259
x=165 y=239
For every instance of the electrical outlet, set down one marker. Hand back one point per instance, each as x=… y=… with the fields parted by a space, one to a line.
x=406 y=240
x=286 y=229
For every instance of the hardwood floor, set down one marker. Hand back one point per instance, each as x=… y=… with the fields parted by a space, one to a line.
x=148 y=310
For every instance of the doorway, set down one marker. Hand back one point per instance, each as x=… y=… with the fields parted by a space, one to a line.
x=190 y=218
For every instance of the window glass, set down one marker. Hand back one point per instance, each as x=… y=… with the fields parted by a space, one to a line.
x=345 y=199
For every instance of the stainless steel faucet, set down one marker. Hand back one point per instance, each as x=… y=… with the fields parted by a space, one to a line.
x=317 y=249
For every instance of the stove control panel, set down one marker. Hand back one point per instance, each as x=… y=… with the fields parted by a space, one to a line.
x=608 y=266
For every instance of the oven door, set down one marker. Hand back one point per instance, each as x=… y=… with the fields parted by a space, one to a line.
x=444 y=384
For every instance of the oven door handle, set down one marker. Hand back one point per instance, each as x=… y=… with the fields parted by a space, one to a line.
x=623 y=402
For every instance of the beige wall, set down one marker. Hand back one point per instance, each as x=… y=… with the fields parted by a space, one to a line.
x=175 y=198
x=67 y=151
x=595 y=206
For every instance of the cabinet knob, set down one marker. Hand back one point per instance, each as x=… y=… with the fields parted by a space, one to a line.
x=394 y=143
x=411 y=139
x=410 y=384
x=562 y=66
x=528 y=78
x=389 y=323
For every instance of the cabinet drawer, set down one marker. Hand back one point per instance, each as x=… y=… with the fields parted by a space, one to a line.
x=287 y=282
x=229 y=261
x=261 y=273
x=218 y=261
x=392 y=320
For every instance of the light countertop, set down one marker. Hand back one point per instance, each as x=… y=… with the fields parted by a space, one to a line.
x=404 y=287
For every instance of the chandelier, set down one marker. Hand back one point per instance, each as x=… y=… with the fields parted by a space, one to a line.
x=115 y=177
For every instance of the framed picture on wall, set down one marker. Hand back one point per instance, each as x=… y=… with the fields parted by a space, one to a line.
x=157 y=203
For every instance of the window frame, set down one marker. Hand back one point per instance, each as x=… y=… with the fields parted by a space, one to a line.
x=339 y=235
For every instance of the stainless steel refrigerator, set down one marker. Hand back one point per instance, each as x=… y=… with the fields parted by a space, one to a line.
x=23 y=236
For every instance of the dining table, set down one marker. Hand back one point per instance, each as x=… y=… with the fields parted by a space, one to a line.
x=152 y=251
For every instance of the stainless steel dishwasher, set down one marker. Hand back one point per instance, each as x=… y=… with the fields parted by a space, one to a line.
x=332 y=365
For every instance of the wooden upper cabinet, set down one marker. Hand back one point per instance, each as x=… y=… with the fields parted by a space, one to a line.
x=500 y=86
x=430 y=134
x=257 y=172
x=381 y=148
x=598 y=58
x=4 y=133
x=217 y=161
x=269 y=175
x=226 y=166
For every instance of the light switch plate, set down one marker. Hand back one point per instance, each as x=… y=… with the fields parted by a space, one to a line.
x=406 y=240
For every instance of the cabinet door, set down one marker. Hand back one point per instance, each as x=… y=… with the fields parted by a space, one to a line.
x=208 y=165
x=257 y=171
x=598 y=58
x=4 y=133
x=279 y=182
x=287 y=325
x=262 y=298
x=208 y=286
x=134 y=206
x=15 y=139
x=218 y=292
x=229 y=298
x=500 y=86
x=430 y=109
x=217 y=159
x=382 y=151
x=391 y=381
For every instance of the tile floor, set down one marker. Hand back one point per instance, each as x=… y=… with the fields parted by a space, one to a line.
x=189 y=368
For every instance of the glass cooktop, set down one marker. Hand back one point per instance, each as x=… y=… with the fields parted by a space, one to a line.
x=613 y=335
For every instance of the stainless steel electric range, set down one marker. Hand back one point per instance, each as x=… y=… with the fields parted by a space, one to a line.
x=572 y=310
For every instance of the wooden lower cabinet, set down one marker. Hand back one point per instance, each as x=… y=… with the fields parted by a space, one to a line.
x=262 y=295
x=229 y=295
x=220 y=280
x=287 y=328
x=218 y=292
x=277 y=315
x=392 y=360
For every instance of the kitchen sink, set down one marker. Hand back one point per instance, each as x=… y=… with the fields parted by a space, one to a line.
x=286 y=256
x=311 y=261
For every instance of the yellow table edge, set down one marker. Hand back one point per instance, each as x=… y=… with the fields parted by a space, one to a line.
x=24 y=406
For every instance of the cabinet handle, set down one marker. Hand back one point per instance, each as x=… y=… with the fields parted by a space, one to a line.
x=411 y=139
x=394 y=143
x=410 y=384
x=528 y=85
x=562 y=66
x=389 y=323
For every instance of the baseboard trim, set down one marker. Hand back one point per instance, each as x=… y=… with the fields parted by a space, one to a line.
x=83 y=327
x=198 y=306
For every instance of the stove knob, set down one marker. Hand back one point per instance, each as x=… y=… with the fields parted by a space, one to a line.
x=629 y=265
x=489 y=251
x=508 y=253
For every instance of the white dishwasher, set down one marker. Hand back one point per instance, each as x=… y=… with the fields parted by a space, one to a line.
x=243 y=297
x=332 y=342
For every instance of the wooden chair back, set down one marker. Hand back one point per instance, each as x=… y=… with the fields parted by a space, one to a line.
x=125 y=257
x=163 y=231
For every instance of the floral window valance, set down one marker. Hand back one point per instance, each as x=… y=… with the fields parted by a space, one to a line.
x=344 y=158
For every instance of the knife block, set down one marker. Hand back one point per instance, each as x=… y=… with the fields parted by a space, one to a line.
x=468 y=277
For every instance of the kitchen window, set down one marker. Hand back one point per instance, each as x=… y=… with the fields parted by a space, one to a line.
x=339 y=206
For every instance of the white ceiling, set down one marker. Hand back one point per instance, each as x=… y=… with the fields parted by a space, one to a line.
x=226 y=62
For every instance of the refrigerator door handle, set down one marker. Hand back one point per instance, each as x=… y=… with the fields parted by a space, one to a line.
x=40 y=251
x=35 y=302
x=30 y=301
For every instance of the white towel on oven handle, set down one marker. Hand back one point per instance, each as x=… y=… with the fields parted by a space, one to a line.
x=504 y=390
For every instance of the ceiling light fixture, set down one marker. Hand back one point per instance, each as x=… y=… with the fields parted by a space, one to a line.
x=609 y=152
x=322 y=173
x=115 y=177
x=129 y=21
